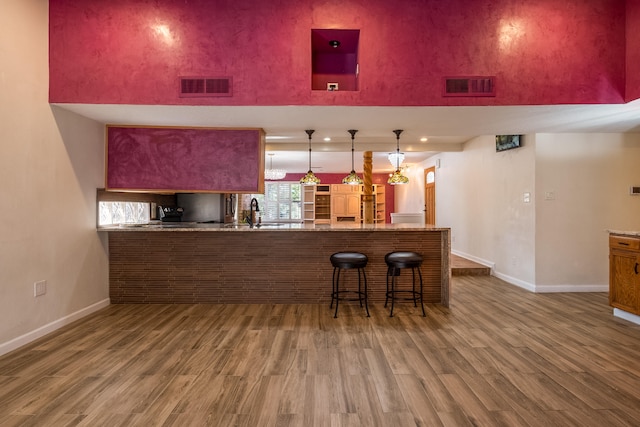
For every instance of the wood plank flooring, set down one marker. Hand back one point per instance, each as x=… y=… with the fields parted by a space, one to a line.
x=499 y=356
x=465 y=267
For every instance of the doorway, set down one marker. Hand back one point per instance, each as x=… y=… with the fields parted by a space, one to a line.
x=430 y=196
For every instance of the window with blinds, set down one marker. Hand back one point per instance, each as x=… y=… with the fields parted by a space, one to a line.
x=281 y=202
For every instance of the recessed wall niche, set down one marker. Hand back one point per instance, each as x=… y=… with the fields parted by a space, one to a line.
x=334 y=59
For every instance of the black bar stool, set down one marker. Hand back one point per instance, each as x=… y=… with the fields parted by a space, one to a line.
x=395 y=262
x=346 y=261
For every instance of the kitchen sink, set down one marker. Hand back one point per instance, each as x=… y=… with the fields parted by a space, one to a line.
x=236 y=225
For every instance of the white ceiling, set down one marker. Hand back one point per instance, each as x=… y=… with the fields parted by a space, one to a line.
x=447 y=128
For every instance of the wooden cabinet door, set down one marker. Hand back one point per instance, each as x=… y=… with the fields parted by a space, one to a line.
x=353 y=205
x=338 y=204
x=624 y=280
x=345 y=203
x=345 y=188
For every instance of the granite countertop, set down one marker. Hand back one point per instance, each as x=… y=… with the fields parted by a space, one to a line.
x=624 y=233
x=208 y=227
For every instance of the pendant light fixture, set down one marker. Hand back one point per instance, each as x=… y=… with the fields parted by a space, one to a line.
x=397 y=177
x=273 y=174
x=309 y=178
x=396 y=159
x=352 y=178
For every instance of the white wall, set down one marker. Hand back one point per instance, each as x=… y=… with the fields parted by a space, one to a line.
x=52 y=161
x=545 y=245
x=480 y=195
x=409 y=198
x=589 y=176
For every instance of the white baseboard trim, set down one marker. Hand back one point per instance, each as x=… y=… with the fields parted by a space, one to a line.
x=512 y=280
x=571 y=288
x=530 y=286
x=50 y=327
x=626 y=316
x=547 y=289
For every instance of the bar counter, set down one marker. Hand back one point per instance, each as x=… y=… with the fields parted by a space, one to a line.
x=275 y=263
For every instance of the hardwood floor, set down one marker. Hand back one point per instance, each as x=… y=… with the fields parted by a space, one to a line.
x=464 y=267
x=499 y=356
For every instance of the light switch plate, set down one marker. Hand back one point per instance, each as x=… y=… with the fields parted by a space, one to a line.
x=39 y=288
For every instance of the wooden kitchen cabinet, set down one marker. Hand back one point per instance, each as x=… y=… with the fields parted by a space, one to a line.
x=379 y=205
x=345 y=203
x=345 y=189
x=624 y=273
x=308 y=204
x=316 y=202
x=323 y=204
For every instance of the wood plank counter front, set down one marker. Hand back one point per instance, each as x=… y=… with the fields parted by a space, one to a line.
x=211 y=263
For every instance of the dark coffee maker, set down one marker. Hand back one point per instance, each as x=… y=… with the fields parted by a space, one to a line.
x=170 y=214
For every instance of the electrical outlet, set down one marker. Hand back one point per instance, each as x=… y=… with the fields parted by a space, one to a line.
x=40 y=288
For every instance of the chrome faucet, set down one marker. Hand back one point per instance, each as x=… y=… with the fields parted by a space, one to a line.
x=254 y=204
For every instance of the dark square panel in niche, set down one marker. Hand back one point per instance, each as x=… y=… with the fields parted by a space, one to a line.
x=334 y=59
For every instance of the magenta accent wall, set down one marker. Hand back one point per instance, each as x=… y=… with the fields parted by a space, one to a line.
x=541 y=52
x=336 y=178
x=185 y=159
x=633 y=50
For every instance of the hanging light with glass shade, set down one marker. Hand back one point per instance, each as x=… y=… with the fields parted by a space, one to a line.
x=309 y=178
x=396 y=159
x=397 y=177
x=272 y=174
x=352 y=178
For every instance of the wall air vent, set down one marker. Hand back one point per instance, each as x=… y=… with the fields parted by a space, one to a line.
x=205 y=86
x=470 y=86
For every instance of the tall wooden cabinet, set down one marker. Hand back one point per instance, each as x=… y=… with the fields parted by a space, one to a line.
x=379 y=205
x=345 y=203
x=323 y=204
x=340 y=203
x=308 y=204
x=316 y=202
x=624 y=273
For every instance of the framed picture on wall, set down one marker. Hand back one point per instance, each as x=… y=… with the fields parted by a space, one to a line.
x=507 y=142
